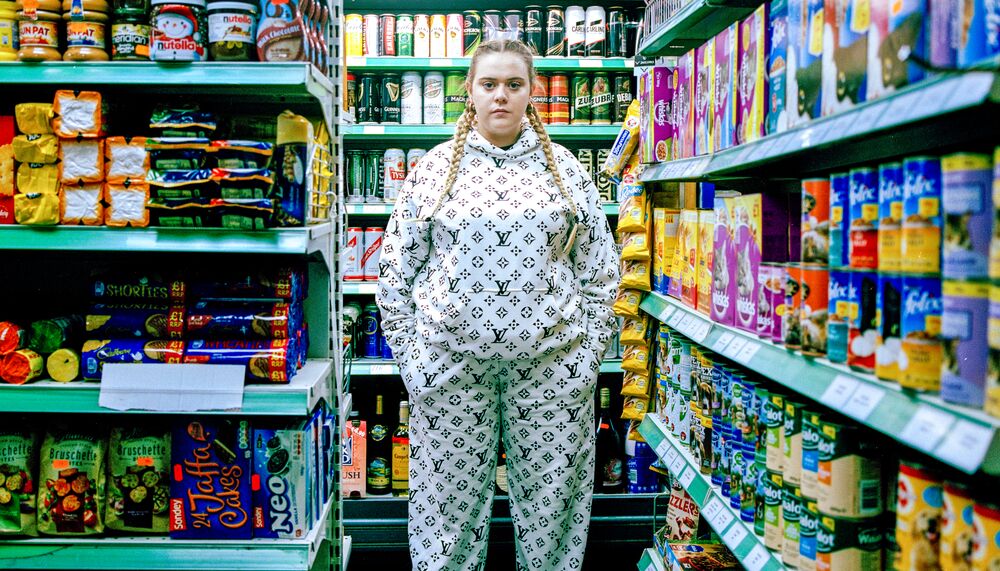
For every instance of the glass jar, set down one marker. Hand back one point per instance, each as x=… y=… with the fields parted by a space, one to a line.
x=86 y=39
x=231 y=27
x=179 y=30
x=79 y=9
x=130 y=36
x=8 y=31
x=39 y=36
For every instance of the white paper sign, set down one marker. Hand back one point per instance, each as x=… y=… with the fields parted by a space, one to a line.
x=836 y=395
x=747 y=353
x=864 y=401
x=381 y=369
x=373 y=130
x=662 y=448
x=735 y=536
x=756 y=559
x=719 y=516
x=671 y=455
x=722 y=342
x=165 y=387
x=687 y=477
x=927 y=427
x=735 y=347
x=701 y=331
x=677 y=465
x=685 y=323
x=965 y=445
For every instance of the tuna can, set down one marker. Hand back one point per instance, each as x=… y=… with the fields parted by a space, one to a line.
x=864 y=219
x=850 y=475
x=843 y=543
x=353 y=252
x=808 y=526
x=920 y=362
x=791 y=309
x=986 y=526
x=774 y=419
x=774 y=534
x=840 y=219
x=791 y=446
x=791 y=517
x=965 y=312
x=919 y=504
x=921 y=243
x=814 y=312
x=889 y=345
x=810 y=454
x=816 y=221
x=411 y=99
x=862 y=332
x=965 y=196
x=890 y=213
x=373 y=250
x=993 y=367
x=434 y=98
x=839 y=316
x=957 y=538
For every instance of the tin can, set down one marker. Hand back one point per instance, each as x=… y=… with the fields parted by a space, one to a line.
x=964 y=318
x=922 y=356
x=808 y=527
x=760 y=501
x=353 y=252
x=576 y=31
x=890 y=213
x=385 y=349
x=369 y=332
x=472 y=31
x=791 y=443
x=622 y=93
x=813 y=315
x=838 y=316
x=540 y=97
x=965 y=194
x=454 y=36
x=843 y=543
x=992 y=406
x=600 y=100
x=840 y=219
x=956 y=527
x=791 y=309
x=748 y=485
x=389 y=99
x=352 y=323
x=404 y=35
x=850 y=474
x=421 y=35
x=595 y=36
x=986 y=529
x=605 y=188
x=493 y=25
x=555 y=31
x=580 y=110
x=862 y=332
x=758 y=419
x=434 y=98
x=773 y=516
x=393 y=174
x=355 y=177
x=770 y=298
x=791 y=516
x=774 y=421
x=922 y=221
x=534 y=33
x=387 y=29
x=919 y=504
x=815 y=221
x=411 y=98
x=439 y=31
x=413 y=157
x=586 y=158
x=454 y=96
x=367 y=100
x=373 y=176
x=810 y=454
x=559 y=99
x=372 y=38
x=616 y=40
x=864 y=219
x=513 y=25
x=373 y=249
x=350 y=94
x=889 y=308
x=354 y=26
x=631 y=36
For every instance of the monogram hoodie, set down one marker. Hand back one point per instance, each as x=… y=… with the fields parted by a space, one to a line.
x=488 y=276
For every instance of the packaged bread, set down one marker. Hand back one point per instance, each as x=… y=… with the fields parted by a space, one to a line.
x=34 y=178
x=38 y=209
x=126 y=204
x=34 y=118
x=81 y=204
x=627 y=303
x=78 y=114
x=81 y=160
x=126 y=158
x=36 y=148
x=6 y=170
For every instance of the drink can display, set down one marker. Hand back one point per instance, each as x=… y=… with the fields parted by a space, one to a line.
x=605 y=188
x=455 y=30
x=492 y=25
x=354 y=31
x=393 y=173
x=586 y=158
x=576 y=31
x=540 y=97
x=472 y=31
x=367 y=101
x=373 y=249
x=404 y=35
x=559 y=99
x=350 y=92
x=373 y=176
x=600 y=100
x=411 y=99
x=454 y=96
x=439 y=31
x=355 y=177
x=386 y=351
x=513 y=25
x=387 y=30
x=595 y=37
x=580 y=97
x=434 y=98
x=617 y=26
x=389 y=99
x=371 y=36
x=421 y=35
x=555 y=31
x=413 y=157
x=353 y=251
x=369 y=332
x=623 y=97
x=534 y=33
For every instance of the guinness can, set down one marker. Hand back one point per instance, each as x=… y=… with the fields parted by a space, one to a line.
x=492 y=25
x=513 y=25
x=623 y=97
x=540 y=97
x=472 y=30
x=596 y=34
x=367 y=100
x=617 y=37
x=389 y=99
x=555 y=31
x=534 y=34
x=579 y=111
x=404 y=35
x=600 y=100
x=576 y=31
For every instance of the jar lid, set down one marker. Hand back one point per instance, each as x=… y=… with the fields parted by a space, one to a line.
x=44 y=5
x=88 y=5
x=88 y=16
x=244 y=6
x=8 y=5
x=195 y=3
x=43 y=15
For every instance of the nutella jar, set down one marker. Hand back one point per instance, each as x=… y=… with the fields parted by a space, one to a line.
x=179 y=30
x=38 y=33
x=231 y=31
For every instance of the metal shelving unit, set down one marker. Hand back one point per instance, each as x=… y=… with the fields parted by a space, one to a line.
x=651 y=561
x=693 y=24
x=422 y=132
x=385 y=209
x=374 y=64
x=384 y=368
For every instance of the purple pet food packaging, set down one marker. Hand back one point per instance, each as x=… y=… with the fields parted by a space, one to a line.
x=762 y=233
x=966 y=181
x=704 y=94
x=723 y=308
x=752 y=81
x=964 y=319
x=725 y=99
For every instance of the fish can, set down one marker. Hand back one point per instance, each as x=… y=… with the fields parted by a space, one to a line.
x=773 y=415
x=492 y=25
x=404 y=35
x=354 y=26
x=434 y=98
x=413 y=157
x=813 y=315
x=371 y=44
x=791 y=308
x=595 y=36
x=455 y=96
x=559 y=107
x=864 y=219
x=555 y=31
x=394 y=165
x=373 y=249
x=472 y=31
x=965 y=312
x=421 y=35
x=373 y=176
x=773 y=516
x=617 y=26
x=355 y=169
x=369 y=332
x=791 y=516
x=353 y=251
x=389 y=102
x=850 y=474
x=540 y=97
x=986 y=530
x=840 y=219
x=791 y=443
x=808 y=527
x=890 y=213
x=921 y=235
x=600 y=100
x=622 y=93
x=956 y=527
x=889 y=343
x=586 y=158
x=534 y=32
x=513 y=25
x=844 y=543
x=993 y=367
x=816 y=221
x=922 y=355
x=387 y=34
x=576 y=31
x=581 y=101
x=366 y=99
x=862 y=331
x=919 y=503
x=411 y=98
x=965 y=196
x=439 y=33
x=454 y=35
x=810 y=454
x=838 y=321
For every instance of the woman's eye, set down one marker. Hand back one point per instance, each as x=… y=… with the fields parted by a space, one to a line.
x=515 y=85
x=488 y=84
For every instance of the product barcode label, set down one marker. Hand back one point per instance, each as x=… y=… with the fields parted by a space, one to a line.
x=841 y=389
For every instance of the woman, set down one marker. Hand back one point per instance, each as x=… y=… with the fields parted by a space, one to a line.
x=498 y=271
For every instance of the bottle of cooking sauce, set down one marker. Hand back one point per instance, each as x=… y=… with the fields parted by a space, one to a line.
x=38 y=30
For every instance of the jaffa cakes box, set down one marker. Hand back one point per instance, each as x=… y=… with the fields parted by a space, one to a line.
x=724 y=262
x=210 y=495
x=777 y=63
x=704 y=96
x=280 y=505
x=752 y=86
x=845 y=43
x=805 y=61
x=724 y=102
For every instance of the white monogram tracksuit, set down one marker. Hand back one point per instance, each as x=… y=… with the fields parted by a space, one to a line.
x=494 y=324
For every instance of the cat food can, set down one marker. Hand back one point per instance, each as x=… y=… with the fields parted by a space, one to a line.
x=791 y=518
x=965 y=195
x=920 y=328
x=864 y=219
x=956 y=528
x=862 y=332
x=986 y=527
x=774 y=420
x=964 y=316
x=808 y=526
x=810 y=454
x=850 y=474
x=758 y=419
x=994 y=262
x=840 y=219
x=890 y=214
x=918 y=517
x=922 y=221
x=844 y=543
x=889 y=345
x=838 y=320
x=993 y=367
x=814 y=299
x=791 y=446
x=773 y=518
x=748 y=486
x=765 y=311
x=775 y=295
x=791 y=309
x=816 y=221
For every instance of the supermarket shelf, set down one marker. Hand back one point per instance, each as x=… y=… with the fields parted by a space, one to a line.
x=651 y=561
x=932 y=114
x=163 y=553
x=384 y=368
x=961 y=437
x=385 y=132
x=297 y=398
x=359 y=288
x=736 y=534
x=700 y=20
x=385 y=209
x=610 y=209
x=346 y=404
x=462 y=63
x=346 y=550
x=445 y=6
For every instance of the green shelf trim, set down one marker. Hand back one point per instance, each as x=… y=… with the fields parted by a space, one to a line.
x=359 y=288
x=442 y=132
x=837 y=140
x=383 y=368
x=962 y=437
x=736 y=534
x=651 y=561
x=693 y=24
x=385 y=209
x=543 y=64
x=297 y=398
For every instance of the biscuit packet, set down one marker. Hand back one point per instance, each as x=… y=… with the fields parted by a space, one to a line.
x=43 y=149
x=98 y=352
x=126 y=204
x=37 y=209
x=636 y=275
x=19 y=450
x=125 y=159
x=634 y=408
x=37 y=178
x=635 y=385
x=635 y=331
x=636 y=358
x=625 y=145
x=266 y=361
x=635 y=246
x=7 y=170
x=627 y=303
x=78 y=114
x=633 y=207
x=21 y=366
x=34 y=118
x=71 y=483
x=81 y=204
x=138 y=479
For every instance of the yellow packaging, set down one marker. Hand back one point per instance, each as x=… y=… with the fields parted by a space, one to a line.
x=994 y=270
x=956 y=528
x=625 y=144
x=37 y=179
x=635 y=385
x=36 y=148
x=627 y=304
x=635 y=246
x=635 y=331
x=34 y=118
x=633 y=209
x=687 y=244
x=6 y=170
x=633 y=432
x=665 y=223
x=992 y=405
x=63 y=365
x=636 y=274
x=37 y=209
x=636 y=359
x=986 y=523
x=918 y=516
x=634 y=408
x=706 y=241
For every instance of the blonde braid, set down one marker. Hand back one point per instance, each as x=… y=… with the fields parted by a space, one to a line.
x=462 y=128
x=553 y=166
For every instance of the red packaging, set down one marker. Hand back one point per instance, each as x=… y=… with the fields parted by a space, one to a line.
x=790 y=311
x=813 y=313
x=7 y=130
x=816 y=221
x=6 y=210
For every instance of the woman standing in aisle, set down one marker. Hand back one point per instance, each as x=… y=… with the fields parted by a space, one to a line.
x=498 y=272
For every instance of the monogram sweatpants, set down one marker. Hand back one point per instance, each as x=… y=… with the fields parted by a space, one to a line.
x=546 y=408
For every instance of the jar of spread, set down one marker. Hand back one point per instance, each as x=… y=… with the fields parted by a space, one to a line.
x=81 y=9
x=8 y=31
x=130 y=36
x=85 y=41
x=231 y=31
x=179 y=29
x=39 y=35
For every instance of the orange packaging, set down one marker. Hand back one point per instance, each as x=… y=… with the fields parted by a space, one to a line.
x=687 y=245
x=813 y=312
x=21 y=366
x=918 y=518
x=790 y=311
x=352 y=467
x=816 y=221
x=956 y=528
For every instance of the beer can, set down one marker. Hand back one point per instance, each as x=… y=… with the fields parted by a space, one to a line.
x=595 y=36
x=350 y=94
x=580 y=109
x=385 y=349
x=623 y=97
x=367 y=100
x=559 y=99
x=513 y=25
x=534 y=34
x=492 y=25
x=586 y=158
x=389 y=99
x=472 y=30
x=371 y=38
x=404 y=35
x=369 y=332
x=454 y=96
x=540 y=97
x=353 y=251
x=605 y=188
x=434 y=98
x=411 y=99
x=576 y=31
x=393 y=173
x=454 y=39
x=373 y=176
x=631 y=36
x=439 y=31
x=355 y=177
x=617 y=26
x=600 y=99
x=555 y=31
x=354 y=31
x=387 y=28
x=373 y=249
x=413 y=157
x=421 y=35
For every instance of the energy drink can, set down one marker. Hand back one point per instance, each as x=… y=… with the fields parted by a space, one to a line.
x=353 y=252
x=454 y=96
x=373 y=249
x=920 y=363
x=600 y=100
x=404 y=35
x=492 y=25
x=411 y=98
x=864 y=219
x=576 y=31
x=422 y=35
x=354 y=26
x=454 y=36
x=366 y=100
x=595 y=37
x=555 y=31
x=580 y=110
x=387 y=34
x=540 y=97
x=559 y=99
x=534 y=32
x=371 y=36
x=355 y=177
x=439 y=31
x=890 y=213
x=434 y=98
x=393 y=173
x=389 y=100
x=369 y=332
x=922 y=221
x=622 y=97
x=513 y=25
x=413 y=157
x=472 y=31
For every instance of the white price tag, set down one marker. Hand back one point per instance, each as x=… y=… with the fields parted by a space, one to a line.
x=373 y=130
x=441 y=62
x=670 y=456
x=677 y=465
x=666 y=313
x=685 y=325
x=966 y=445
x=747 y=353
x=675 y=320
x=381 y=369
x=356 y=61
x=806 y=137
x=663 y=448
x=841 y=389
x=701 y=332
x=735 y=536
x=712 y=509
x=735 y=347
x=591 y=63
x=718 y=515
x=722 y=342
x=373 y=209
x=756 y=559
x=927 y=427
x=686 y=478
x=863 y=402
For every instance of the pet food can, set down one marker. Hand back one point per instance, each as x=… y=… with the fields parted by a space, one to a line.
x=748 y=487
x=791 y=446
x=918 y=517
x=920 y=362
x=774 y=420
x=843 y=543
x=791 y=517
x=862 y=332
x=965 y=196
x=840 y=219
x=760 y=501
x=179 y=30
x=921 y=244
x=813 y=314
x=890 y=213
x=837 y=325
x=810 y=454
x=773 y=520
x=775 y=296
x=765 y=311
x=850 y=474
x=956 y=528
x=889 y=306
x=965 y=312
x=864 y=219
x=994 y=261
x=808 y=526
x=993 y=367
x=790 y=312
x=986 y=529
x=816 y=221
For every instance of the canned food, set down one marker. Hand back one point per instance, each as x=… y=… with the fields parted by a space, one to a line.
x=791 y=516
x=555 y=31
x=370 y=327
x=411 y=99
x=373 y=250
x=957 y=535
x=771 y=297
x=580 y=110
x=368 y=107
x=513 y=25
x=616 y=40
x=838 y=322
x=994 y=261
x=862 y=330
x=534 y=34
x=791 y=309
x=434 y=98
x=986 y=526
x=540 y=97
x=918 y=517
x=576 y=31
x=455 y=96
x=559 y=99
x=791 y=443
x=965 y=196
x=186 y=21
x=864 y=219
x=353 y=252
x=600 y=100
x=964 y=317
x=421 y=35
x=850 y=475
x=472 y=31
x=439 y=32
x=354 y=35
x=758 y=420
x=993 y=368
x=492 y=25
x=373 y=176
x=843 y=543
x=404 y=35
x=774 y=420
x=394 y=165
x=813 y=315
x=455 y=35
x=921 y=236
x=387 y=34
x=773 y=514
x=595 y=36
x=389 y=103
x=810 y=454
x=760 y=501
x=890 y=206
x=920 y=362
x=355 y=177
x=889 y=346
x=371 y=41
x=808 y=526
x=748 y=485
x=840 y=220
x=816 y=221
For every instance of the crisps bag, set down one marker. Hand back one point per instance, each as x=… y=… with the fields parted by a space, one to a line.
x=138 y=481
x=18 y=468
x=71 y=483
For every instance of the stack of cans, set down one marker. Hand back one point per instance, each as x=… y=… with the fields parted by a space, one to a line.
x=377 y=176
x=582 y=99
x=361 y=254
x=411 y=98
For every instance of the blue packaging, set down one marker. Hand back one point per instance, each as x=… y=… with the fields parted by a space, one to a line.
x=838 y=312
x=291 y=185
x=805 y=61
x=642 y=480
x=315 y=428
x=215 y=320
x=139 y=321
x=266 y=361
x=907 y=35
x=95 y=353
x=279 y=483
x=370 y=328
x=283 y=283
x=777 y=62
x=840 y=219
x=863 y=227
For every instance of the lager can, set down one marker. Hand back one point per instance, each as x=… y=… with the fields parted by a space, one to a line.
x=354 y=31
x=559 y=99
x=617 y=39
x=355 y=177
x=352 y=254
x=586 y=158
x=434 y=98
x=534 y=33
x=454 y=43
x=350 y=95
x=373 y=249
x=371 y=39
x=413 y=157
x=387 y=24
x=389 y=99
x=540 y=97
x=393 y=173
x=492 y=25
x=600 y=100
x=579 y=112
x=373 y=176
x=369 y=332
x=555 y=31
x=596 y=33
x=439 y=31
x=404 y=35
x=421 y=35
x=623 y=97
x=411 y=99
x=472 y=30
x=513 y=25
x=367 y=100
x=605 y=188
x=576 y=31
x=454 y=96
x=631 y=37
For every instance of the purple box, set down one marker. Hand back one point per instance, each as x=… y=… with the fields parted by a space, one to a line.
x=724 y=263
x=942 y=29
x=682 y=108
x=966 y=197
x=963 y=328
x=762 y=233
x=752 y=92
x=656 y=131
x=704 y=93
x=777 y=63
x=724 y=102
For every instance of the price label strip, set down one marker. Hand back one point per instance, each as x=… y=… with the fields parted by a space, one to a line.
x=670 y=455
x=927 y=427
x=700 y=332
x=863 y=402
x=747 y=353
x=663 y=448
x=381 y=369
x=835 y=396
x=735 y=536
x=735 y=347
x=965 y=445
x=666 y=313
x=756 y=559
x=718 y=515
x=722 y=342
x=687 y=478
x=677 y=465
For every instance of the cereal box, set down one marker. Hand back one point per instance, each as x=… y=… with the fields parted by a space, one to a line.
x=687 y=244
x=889 y=305
x=906 y=36
x=922 y=220
x=656 y=130
x=814 y=313
x=920 y=363
x=704 y=94
x=846 y=42
x=280 y=506
x=965 y=197
x=723 y=262
x=724 y=102
x=965 y=311
x=210 y=496
x=977 y=33
x=862 y=332
x=816 y=221
x=838 y=323
x=777 y=62
x=840 y=219
x=805 y=62
x=863 y=253
x=752 y=84
x=890 y=213
x=706 y=235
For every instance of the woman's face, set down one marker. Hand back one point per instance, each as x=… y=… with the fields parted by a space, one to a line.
x=500 y=92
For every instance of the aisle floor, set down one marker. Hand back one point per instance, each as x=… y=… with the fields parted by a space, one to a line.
x=600 y=556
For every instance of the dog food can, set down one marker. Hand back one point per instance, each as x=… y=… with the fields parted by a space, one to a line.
x=731 y=467
x=920 y=362
x=774 y=420
x=837 y=325
x=965 y=194
x=816 y=221
x=890 y=213
x=751 y=412
x=864 y=219
x=702 y=440
x=850 y=475
x=889 y=303
x=994 y=262
x=956 y=528
x=862 y=332
x=921 y=244
x=810 y=454
x=791 y=446
x=773 y=518
x=986 y=526
x=993 y=367
x=918 y=517
x=813 y=314
x=748 y=487
x=791 y=521
x=964 y=317
x=759 y=501
x=791 y=309
x=808 y=526
x=762 y=397
x=840 y=219
x=843 y=543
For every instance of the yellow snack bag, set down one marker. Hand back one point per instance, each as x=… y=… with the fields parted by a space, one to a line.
x=34 y=118
x=635 y=246
x=636 y=274
x=40 y=209
x=33 y=178
x=6 y=170
x=633 y=210
x=633 y=432
x=635 y=331
x=627 y=304
x=636 y=359
x=634 y=408
x=36 y=148
x=635 y=385
x=625 y=144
